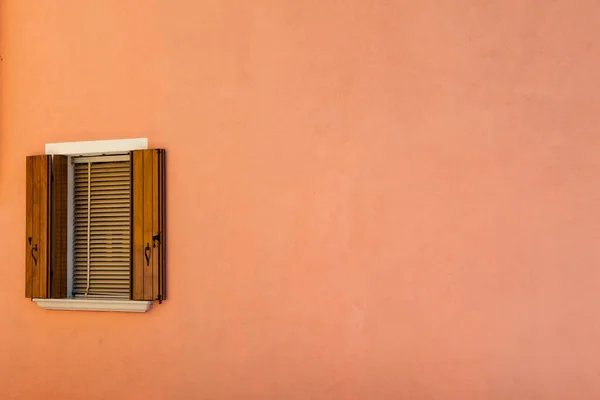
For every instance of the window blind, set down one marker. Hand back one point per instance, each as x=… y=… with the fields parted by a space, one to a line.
x=102 y=227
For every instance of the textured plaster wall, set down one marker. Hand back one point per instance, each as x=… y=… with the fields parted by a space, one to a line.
x=368 y=199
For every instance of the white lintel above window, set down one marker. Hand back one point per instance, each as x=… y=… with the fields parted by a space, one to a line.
x=97 y=147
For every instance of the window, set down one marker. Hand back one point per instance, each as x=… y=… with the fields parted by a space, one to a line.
x=96 y=225
x=102 y=226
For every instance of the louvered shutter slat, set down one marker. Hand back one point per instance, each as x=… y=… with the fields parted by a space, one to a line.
x=102 y=229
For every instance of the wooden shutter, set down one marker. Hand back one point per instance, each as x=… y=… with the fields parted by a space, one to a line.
x=102 y=227
x=37 y=256
x=46 y=227
x=148 y=229
x=59 y=222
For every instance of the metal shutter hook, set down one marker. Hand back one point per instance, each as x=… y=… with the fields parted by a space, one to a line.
x=147 y=254
x=34 y=248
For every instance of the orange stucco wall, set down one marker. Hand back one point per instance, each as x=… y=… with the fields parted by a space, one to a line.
x=367 y=199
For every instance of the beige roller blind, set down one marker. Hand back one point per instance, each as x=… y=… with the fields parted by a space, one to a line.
x=102 y=227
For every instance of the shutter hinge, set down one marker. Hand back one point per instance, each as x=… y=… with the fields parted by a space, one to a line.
x=155 y=238
x=159 y=298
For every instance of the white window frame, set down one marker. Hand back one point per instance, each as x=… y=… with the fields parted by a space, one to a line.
x=91 y=148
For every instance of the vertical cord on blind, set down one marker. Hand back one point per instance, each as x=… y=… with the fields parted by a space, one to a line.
x=89 y=227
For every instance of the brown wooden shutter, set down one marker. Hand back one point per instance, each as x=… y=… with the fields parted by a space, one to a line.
x=37 y=256
x=148 y=225
x=60 y=195
x=46 y=227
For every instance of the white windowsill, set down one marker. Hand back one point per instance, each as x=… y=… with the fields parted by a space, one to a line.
x=94 y=305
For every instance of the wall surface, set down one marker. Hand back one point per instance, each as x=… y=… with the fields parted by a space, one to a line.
x=366 y=199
